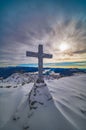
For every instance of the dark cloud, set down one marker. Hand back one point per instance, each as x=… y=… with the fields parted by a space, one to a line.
x=80 y=51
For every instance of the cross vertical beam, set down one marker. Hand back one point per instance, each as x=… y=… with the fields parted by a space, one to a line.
x=40 y=60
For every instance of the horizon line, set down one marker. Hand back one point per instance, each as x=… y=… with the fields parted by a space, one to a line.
x=69 y=64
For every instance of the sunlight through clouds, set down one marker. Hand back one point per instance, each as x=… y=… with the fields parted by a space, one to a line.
x=25 y=24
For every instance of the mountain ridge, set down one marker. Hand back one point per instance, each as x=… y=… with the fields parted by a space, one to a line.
x=7 y=71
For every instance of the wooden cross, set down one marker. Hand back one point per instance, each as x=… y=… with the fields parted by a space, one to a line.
x=40 y=55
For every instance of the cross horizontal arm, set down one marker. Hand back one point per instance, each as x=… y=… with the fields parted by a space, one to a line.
x=31 y=54
x=47 y=55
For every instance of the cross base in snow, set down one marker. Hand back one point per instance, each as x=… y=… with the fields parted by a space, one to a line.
x=39 y=80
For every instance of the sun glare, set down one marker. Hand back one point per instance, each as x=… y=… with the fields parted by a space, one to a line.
x=63 y=46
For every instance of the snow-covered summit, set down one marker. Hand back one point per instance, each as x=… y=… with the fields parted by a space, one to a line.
x=67 y=111
x=19 y=79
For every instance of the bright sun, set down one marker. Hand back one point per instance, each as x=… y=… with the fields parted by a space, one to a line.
x=63 y=46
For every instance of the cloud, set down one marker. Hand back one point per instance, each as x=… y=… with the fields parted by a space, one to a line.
x=26 y=24
x=80 y=51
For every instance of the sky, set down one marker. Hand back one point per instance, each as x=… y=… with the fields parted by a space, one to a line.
x=60 y=25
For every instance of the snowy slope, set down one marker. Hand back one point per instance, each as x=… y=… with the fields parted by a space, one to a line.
x=69 y=95
x=67 y=112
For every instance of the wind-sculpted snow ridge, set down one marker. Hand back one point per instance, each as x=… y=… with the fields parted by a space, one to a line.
x=69 y=95
x=52 y=105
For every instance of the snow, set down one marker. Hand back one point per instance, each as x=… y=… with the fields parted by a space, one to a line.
x=66 y=111
x=39 y=96
x=20 y=79
x=17 y=79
